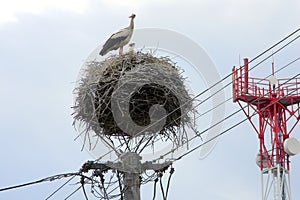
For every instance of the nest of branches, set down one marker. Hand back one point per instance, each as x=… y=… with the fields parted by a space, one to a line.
x=140 y=81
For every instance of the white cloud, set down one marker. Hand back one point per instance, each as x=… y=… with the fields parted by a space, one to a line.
x=9 y=10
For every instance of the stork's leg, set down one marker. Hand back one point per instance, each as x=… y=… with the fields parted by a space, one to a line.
x=121 y=51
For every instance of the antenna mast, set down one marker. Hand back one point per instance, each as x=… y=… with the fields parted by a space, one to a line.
x=277 y=104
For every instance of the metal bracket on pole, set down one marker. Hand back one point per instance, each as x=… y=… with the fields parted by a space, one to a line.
x=131 y=166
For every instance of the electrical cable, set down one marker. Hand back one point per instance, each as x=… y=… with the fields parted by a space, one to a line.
x=103 y=187
x=285 y=38
x=53 y=193
x=169 y=180
x=161 y=186
x=48 y=179
x=154 y=190
x=83 y=188
x=70 y=195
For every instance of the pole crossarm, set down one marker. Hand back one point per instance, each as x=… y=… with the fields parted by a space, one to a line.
x=131 y=167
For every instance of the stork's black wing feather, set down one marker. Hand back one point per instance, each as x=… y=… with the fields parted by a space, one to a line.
x=112 y=44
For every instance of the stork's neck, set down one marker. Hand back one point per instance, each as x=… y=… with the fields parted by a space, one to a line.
x=131 y=26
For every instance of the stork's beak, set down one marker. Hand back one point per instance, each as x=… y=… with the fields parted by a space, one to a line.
x=132 y=16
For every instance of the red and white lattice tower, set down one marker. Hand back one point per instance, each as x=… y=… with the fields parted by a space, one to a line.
x=277 y=104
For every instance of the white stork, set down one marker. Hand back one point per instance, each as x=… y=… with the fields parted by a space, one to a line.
x=131 y=48
x=119 y=39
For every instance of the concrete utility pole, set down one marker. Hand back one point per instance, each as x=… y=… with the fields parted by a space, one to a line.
x=131 y=167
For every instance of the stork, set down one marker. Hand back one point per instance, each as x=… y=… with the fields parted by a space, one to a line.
x=119 y=39
x=131 y=48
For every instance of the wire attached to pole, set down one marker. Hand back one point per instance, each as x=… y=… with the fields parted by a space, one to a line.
x=50 y=178
x=169 y=180
x=154 y=190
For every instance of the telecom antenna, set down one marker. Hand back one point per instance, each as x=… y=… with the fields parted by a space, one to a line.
x=276 y=102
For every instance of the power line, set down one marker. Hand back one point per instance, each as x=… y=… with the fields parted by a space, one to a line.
x=211 y=139
x=169 y=181
x=48 y=179
x=285 y=38
x=82 y=182
x=70 y=195
x=154 y=188
x=53 y=193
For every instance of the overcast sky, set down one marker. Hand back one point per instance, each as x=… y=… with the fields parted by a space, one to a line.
x=43 y=45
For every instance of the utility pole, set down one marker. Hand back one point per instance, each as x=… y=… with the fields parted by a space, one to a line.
x=131 y=167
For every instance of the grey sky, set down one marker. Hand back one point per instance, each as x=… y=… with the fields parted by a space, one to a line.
x=43 y=45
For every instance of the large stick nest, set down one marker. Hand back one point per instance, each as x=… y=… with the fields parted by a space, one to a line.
x=164 y=85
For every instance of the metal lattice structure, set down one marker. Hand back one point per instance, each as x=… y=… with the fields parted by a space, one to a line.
x=277 y=103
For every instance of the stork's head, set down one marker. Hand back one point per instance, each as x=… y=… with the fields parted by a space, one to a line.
x=132 y=45
x=132 y=16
